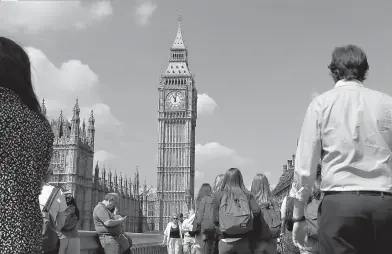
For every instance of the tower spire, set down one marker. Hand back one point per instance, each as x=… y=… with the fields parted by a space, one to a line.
x=43 y=107
x=179 y=42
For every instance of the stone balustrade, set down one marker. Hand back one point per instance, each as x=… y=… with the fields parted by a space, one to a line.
x=142 y=243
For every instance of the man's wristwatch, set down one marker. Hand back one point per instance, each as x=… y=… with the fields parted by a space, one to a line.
x=298 y=219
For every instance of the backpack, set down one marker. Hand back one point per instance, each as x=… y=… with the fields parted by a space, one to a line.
x=235 y=216
x=272 y=218
x=311 y=213
x=289 y=213
x=50 y=239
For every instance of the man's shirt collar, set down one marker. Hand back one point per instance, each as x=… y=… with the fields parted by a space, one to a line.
x=343 y=82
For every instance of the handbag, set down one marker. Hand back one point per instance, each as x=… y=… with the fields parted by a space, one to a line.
x=124 y=241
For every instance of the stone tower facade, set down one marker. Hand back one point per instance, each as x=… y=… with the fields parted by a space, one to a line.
x=72 y=159
x=72 y=164
x=177 y=114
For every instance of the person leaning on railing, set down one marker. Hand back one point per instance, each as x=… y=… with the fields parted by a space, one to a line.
x=108 y=227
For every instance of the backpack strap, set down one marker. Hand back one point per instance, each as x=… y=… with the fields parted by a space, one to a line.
x=50 y=200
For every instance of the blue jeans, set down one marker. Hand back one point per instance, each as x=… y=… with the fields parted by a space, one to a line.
x=109 y=244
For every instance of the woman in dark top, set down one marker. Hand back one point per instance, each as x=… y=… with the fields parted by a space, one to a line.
x=204 y=204
x=233 y=187
x=69 y=235
x=26 y=145
x=172 y=236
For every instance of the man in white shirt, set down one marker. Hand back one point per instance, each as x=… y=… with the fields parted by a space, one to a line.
x=350 y=129
x=189 y=241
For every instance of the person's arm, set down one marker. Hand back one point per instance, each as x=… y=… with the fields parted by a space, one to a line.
x=283 y=214
x=181 y=232
x=166 y=234
x=306 y=160
x=112 y=223
x=200 y=211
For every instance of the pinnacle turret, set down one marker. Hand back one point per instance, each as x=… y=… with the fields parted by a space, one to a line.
x=43 y=107
x=91 y=131
x=76 y=109
x=75 y=123
x=96 y=170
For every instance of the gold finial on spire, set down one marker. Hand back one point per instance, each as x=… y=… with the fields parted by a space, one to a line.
x=179 y=17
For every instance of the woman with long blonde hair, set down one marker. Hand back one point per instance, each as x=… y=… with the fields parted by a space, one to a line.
x=218 y=183
x=204 y=205
x=217 y=187
x=260 y=188
x=234 y=192
x=262 y=191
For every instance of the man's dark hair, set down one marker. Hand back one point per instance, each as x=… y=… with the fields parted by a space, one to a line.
x=348 y=63
x=180 y=215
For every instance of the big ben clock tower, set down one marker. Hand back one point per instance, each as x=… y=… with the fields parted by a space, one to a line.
x=177 y=113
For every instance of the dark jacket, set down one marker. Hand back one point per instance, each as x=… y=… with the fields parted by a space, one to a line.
x=254 y=207
x=26 y=146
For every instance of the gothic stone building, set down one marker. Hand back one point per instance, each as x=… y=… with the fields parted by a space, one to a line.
x=282 y=189
x=72 y=164
x=177 y=113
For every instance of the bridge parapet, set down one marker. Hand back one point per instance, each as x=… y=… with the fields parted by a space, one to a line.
x=142 y=243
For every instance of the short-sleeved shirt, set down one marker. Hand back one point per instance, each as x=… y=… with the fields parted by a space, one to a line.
x=100 y=215
x=59 y=204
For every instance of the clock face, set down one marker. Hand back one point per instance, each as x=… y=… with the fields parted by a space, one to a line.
x=175 y=100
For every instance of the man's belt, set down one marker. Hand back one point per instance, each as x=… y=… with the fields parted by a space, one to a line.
x=366 y=193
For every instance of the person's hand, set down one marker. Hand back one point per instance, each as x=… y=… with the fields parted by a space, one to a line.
x=299 y=233
x=122 y=219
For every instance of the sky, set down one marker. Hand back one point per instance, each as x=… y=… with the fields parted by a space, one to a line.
x=257 y=66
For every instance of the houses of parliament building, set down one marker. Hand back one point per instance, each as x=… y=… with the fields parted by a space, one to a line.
x=73 y=170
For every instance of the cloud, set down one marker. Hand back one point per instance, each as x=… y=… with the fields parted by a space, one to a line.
x=199 y=174
x=144 y=12
x=102 y=112
x=314 y=95
x=213 y=159
x=104 y=158
x=61 y=85
x=38 y=16
x=205 y=104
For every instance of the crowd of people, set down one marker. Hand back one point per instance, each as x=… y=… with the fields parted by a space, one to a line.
x=342 y=206
x=230 y=218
